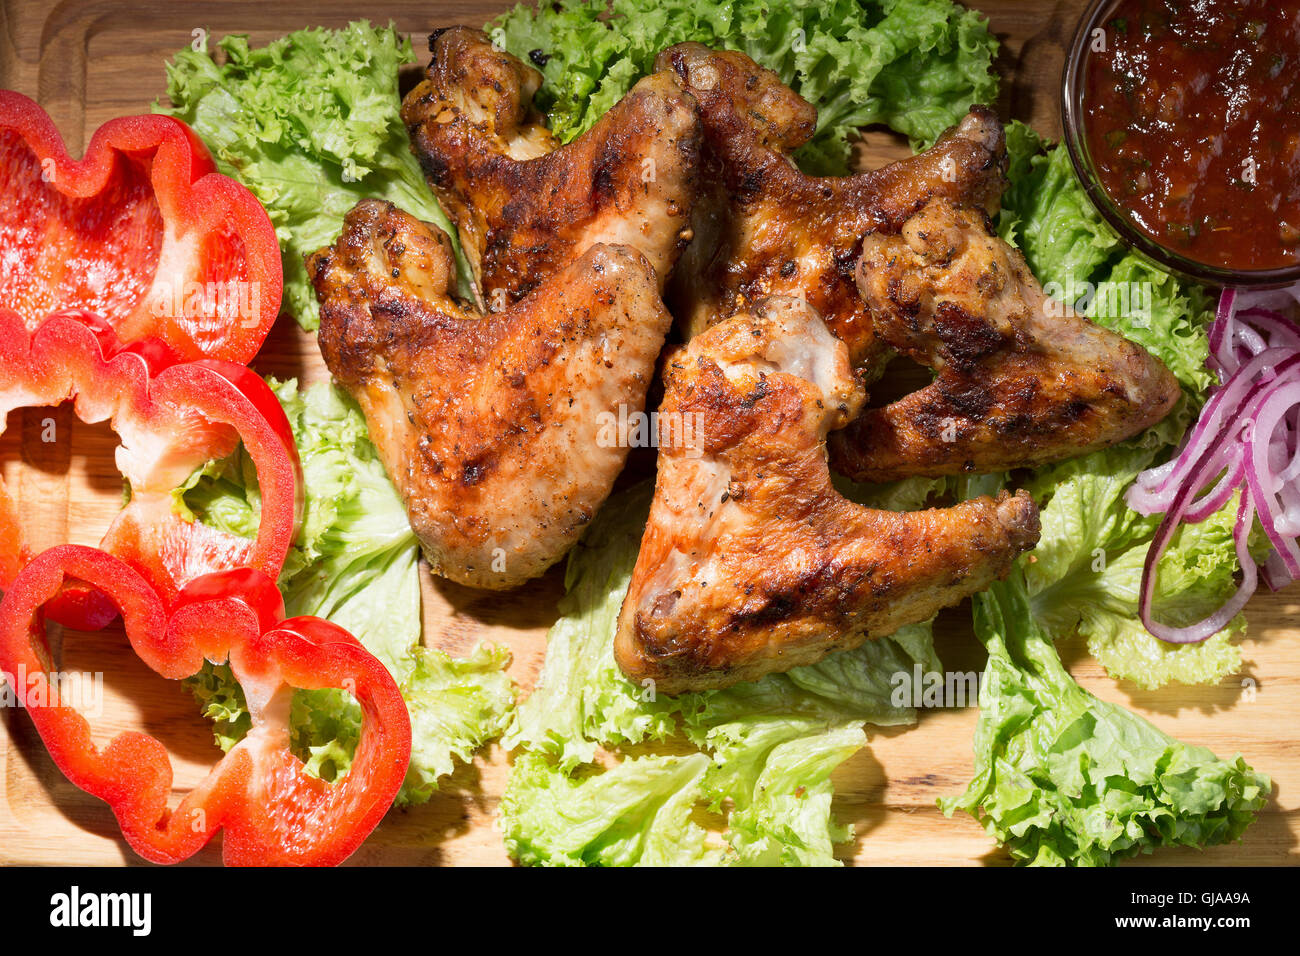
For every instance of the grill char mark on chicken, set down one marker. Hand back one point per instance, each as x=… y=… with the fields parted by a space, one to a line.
x=1021 y=380
x=762 y=227
x=751 y=561
x=524 y=205
x=489 y=425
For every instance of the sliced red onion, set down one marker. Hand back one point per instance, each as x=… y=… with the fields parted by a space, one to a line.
x=1246 y=441
x=1289 y=441
x=1221 y=328
x=1261 y=473
x=1207 y=627
x=1232 y=341
x=1209 y=504
x=1153 y=490
x=1275 y=574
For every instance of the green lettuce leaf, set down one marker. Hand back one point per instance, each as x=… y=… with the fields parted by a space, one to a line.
x=582 y=699
x=310 y=124
x=916 y=65
x=637 y=812
x=764 y=751
x=783 y=821
x=1046 y=212
x=456 y=705
x=908 y=494
x=1087 y=568
x=355 y=561
x=221 y=700
x=1063 y=778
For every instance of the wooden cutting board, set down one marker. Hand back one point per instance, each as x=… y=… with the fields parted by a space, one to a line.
x=87 y=62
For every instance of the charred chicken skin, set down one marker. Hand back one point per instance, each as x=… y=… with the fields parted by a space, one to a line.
x=526 y=207
x=902 y=258
x=751 y=561
x=488 y=425
x=1022 y=380
x=763 y=227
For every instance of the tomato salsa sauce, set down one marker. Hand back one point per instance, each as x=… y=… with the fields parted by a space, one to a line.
x=1192 y=120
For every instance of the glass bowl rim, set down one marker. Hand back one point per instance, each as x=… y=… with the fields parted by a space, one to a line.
x=1073 y=120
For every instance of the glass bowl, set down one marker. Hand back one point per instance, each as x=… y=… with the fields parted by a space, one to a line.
x=1074 y=116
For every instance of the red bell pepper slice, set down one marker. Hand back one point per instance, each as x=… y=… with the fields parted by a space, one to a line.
x=14 y=554
x=172 y=419
x=143 y=230
x=272 y=811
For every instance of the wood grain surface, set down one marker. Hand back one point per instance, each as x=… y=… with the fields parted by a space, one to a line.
x=89 y=61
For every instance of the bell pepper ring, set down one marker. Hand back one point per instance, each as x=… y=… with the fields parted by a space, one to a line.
x=143 y=230
x=171 y=419
x=271 y=810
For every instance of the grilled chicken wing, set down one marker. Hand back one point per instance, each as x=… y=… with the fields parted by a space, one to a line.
x=526 y=207
x=763 y=227
x=1021 y=379
x=488 y=425
x=751 y=562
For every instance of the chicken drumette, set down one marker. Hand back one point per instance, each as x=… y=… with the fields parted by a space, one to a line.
x=526 y=207
x=751 y=562
x=490 y=426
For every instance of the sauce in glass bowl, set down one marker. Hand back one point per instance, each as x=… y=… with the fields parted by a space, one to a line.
x=1191 y=114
